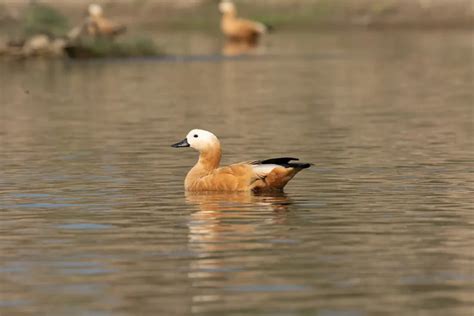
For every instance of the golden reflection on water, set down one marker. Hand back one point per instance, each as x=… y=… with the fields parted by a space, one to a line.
x=232 y=48
x=222 y=201
x=213 y=208
x=214 y=226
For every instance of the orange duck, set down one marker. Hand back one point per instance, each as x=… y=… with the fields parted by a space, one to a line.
x=237 y=29
x=98 y=25
x=257 y=176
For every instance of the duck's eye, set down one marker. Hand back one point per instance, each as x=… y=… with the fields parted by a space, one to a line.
x=195 y=135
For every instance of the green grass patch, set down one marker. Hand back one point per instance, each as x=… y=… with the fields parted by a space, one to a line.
x=43 y=19
x=103 y=47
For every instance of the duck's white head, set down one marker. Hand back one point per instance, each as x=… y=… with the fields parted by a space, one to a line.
x=95 y=9
x=227 y=6
x=200 y=140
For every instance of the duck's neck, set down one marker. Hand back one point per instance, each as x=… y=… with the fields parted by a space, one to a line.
x=209 y=159
x=230 y=15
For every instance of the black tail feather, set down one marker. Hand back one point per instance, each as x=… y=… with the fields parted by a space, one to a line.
x=270 y=28
x=299 y=165
x=284 y=162
x=276 y=161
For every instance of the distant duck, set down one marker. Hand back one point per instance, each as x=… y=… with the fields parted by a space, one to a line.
x=98 y=25
x=237 y=29
x=257 y=176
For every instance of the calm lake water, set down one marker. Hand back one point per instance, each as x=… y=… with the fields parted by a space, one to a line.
x=94 y=219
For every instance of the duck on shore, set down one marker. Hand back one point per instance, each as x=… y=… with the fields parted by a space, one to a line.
x=97 y=25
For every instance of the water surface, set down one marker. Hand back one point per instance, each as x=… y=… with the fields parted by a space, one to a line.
x=94 y=219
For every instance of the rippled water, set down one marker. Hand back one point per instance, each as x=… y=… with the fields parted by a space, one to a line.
x=94 y=219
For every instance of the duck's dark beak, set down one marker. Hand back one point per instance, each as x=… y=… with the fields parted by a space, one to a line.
x=183 y=143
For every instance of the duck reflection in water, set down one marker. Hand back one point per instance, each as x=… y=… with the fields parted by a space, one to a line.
x=214 y=207
x=233 y=48
x=224 y=225
x=234 y=208
x=218 y=202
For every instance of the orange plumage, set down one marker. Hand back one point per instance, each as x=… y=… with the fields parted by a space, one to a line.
x=257 y=176
x=238 y=29
x=98 y=25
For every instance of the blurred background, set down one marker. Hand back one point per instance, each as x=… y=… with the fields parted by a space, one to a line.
x=202 y=14
x=378 y=94
x=20 y=18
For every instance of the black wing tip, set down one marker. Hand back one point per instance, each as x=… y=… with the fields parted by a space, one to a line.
x=270 y=27
x=285 y=162
x=277 y=161
x=300 y=165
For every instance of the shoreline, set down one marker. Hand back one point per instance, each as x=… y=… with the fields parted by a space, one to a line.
x=283 y=14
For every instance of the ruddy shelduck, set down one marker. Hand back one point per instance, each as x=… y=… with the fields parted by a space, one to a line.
x=258 y=176
x=98 y=25
x=237 y=29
